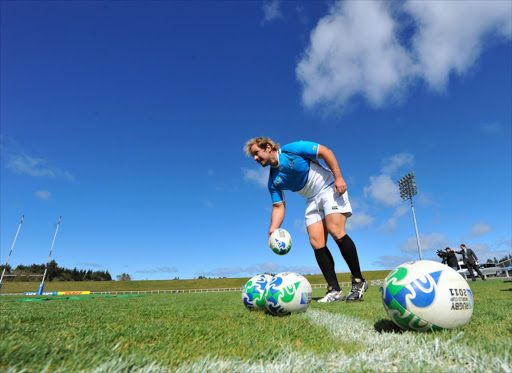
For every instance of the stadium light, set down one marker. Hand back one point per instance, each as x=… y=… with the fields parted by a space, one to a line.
x=408 y=189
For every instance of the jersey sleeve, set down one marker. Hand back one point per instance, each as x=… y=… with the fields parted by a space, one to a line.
x=275 y=193
x=305 y=149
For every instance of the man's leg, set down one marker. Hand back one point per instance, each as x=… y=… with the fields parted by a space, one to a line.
x=470 y=269
x=318 y=238
x=335 y=224
x=336 y=227
x=479 y=272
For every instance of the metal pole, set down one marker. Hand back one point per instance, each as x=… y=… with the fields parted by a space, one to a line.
x=40 y=292
x=12 y=247
x=416 y=229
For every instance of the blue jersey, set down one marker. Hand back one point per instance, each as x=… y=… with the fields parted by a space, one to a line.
x=298 y=171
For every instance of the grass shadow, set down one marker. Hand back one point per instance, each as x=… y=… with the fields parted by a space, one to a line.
x=267 y=313
x=387 y=326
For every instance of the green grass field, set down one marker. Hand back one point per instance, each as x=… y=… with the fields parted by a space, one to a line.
x=97 y=286
x=191 y=332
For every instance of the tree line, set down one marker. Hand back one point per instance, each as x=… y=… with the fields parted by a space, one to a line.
x=34 y=272
x=506 y=260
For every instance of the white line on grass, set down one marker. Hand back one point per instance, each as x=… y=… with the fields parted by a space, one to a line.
x=380 y=352
x=404 y=351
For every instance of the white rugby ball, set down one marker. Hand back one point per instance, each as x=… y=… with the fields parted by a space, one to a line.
x=253 y=291
x=427 y=295
x=287 y=293
x=281 y=241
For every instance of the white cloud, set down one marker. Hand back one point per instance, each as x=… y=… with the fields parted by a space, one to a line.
x=353 y=51
x=271 y=11
x=360 y=49
x=164 y=269
x=451 y=34
x=491 y=128
x=383 y=190
x=396 y=162
x=300 y=225
x=391 y=262
x=428 y=242
x=90 y=264
x=359 y=220
x=390 y=225
x=479 y=229
x=507 y=244
x=424 y=199
x=36 y=167
x=256 y=175
x=484 y=251
x=43 y=194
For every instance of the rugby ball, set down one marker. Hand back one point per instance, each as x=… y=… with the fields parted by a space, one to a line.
x=280 y=241
x=426 y=295
x=253 y=291
x=288 y=293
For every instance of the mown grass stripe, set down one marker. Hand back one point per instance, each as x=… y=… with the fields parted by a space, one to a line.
x=403 y=351
x=381 y=352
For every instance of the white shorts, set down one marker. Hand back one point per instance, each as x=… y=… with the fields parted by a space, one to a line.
x=325 y=203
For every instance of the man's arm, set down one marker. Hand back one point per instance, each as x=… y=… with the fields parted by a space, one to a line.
x=276 y=218
x=472 y=253
x=340 y=186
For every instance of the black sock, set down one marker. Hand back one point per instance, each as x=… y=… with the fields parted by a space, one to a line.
x=349 y=252
x=326 y=264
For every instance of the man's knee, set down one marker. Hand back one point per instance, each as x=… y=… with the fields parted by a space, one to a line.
x=335 y=230
x=316 y=243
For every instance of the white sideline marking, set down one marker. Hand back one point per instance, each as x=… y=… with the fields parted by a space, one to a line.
x=403 y=351
x=380 y=352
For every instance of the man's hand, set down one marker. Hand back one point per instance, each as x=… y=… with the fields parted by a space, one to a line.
x=340 y=186
x=276 y=219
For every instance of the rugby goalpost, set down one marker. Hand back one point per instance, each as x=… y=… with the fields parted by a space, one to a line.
x=41 y=287
x=10 y=252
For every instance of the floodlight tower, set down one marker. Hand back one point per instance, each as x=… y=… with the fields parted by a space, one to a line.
x=408 y=189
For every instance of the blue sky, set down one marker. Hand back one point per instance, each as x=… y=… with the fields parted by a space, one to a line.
x=128 y=119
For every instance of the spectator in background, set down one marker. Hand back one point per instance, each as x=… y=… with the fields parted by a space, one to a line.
x=470 y=260
x=449 y=258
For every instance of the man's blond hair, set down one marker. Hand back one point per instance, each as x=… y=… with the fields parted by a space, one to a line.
x=262 y=142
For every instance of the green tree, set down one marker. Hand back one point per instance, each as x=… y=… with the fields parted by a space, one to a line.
x=7 y=267
x=52 y=270
x=124 y=277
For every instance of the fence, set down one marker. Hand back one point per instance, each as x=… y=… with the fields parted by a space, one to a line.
x=217 y=290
